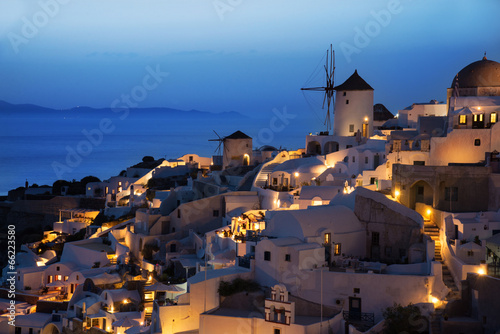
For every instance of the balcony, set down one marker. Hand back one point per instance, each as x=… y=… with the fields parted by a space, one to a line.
x=362 y=321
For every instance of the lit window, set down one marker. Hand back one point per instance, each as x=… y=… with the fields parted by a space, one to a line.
x=462 y=119
x=478 y=117
x=58 y=277
x=493 y=117
x=328 y=238
x=337 y=249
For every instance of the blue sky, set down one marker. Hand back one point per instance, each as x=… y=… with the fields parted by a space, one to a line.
x=245 y=55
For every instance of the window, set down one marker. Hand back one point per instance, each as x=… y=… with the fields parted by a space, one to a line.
x=366 y=160
x=58 y=277
x=478 y=117
x=375 y=239
x=477 y=142
x=57 y=268
x=66 y=278
x=173 y=248
x=462 y=119
x=337 y=250
x=356 y=290
x=419 y=163
x=277 y=331
x=287 y=257
x=252 y=249
x=275 y=181
x=353 y=158
x=351 y=127
x=346 y=101
x=470 y=253
x=178 y=213
x=345 y=93
x=373 y=180
x=77 y=277
x=216 y=213
x=190 y=158
x=451 y=194
x=328 y=238
x=493 y=117
x=30 y=331
x=267 y=256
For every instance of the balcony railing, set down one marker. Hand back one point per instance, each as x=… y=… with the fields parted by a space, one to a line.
x=360 y=320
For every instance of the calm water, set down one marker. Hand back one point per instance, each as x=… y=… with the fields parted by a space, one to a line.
x=31 y=145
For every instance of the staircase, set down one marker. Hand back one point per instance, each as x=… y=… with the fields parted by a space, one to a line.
x=435 y=325
x=261 y=179
x=432 y=231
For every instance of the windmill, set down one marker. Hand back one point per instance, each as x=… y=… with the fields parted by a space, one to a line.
x=329 y=86
x=218 y=149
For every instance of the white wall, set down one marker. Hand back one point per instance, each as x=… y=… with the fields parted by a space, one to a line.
x=360 y=106
x=377 y=291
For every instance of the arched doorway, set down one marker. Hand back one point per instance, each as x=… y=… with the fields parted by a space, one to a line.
x=313 y=147
x=330 y=147
x=246 y=160
x=421 y=192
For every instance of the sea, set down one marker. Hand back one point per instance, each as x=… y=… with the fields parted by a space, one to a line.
x=42 y=147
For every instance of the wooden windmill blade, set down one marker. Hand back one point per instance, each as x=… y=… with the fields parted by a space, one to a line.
x=328 y=88
x=220 y=140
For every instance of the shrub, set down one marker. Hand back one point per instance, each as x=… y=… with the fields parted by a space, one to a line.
x=408 y=319
x=237 y=285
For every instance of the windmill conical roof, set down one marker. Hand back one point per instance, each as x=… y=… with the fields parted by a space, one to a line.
x=354 y=82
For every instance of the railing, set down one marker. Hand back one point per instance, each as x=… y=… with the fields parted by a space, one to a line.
x=360 y=320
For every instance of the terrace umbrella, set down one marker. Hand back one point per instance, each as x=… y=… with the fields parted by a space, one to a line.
x=158 y=286
x=126 y=322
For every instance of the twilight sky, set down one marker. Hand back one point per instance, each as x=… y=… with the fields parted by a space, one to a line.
x=245 y=55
